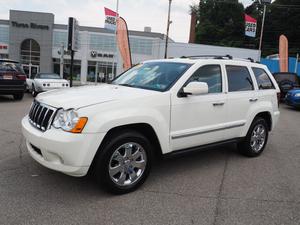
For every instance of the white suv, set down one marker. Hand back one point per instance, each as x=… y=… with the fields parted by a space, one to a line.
x=157 y=107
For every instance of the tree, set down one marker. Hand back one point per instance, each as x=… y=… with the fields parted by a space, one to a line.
x=282 y=17
x=220 y=23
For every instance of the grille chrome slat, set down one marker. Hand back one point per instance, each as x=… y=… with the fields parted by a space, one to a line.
x=41 y=115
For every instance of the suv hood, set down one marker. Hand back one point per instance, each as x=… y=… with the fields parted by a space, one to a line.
x=80 y=97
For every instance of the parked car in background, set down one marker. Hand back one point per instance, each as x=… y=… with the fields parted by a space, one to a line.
x=292 y=98
x=160 y=107
x=12 y=79
x=45 y=82
x=286 y=82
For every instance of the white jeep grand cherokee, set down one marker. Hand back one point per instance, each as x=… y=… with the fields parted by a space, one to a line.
x=161 y=106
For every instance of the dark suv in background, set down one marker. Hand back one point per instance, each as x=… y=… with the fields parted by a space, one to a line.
x=12 y=79
x=286 y=82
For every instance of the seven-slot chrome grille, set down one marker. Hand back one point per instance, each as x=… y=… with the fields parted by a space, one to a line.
x=40 y=115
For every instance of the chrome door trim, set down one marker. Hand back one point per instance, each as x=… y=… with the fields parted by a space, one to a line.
x=207 y=131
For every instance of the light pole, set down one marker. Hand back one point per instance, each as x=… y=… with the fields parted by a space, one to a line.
x=264 y=2
x=168 y=28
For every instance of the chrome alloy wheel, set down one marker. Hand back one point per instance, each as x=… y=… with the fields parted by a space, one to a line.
x=258 y=138
x=127 y=164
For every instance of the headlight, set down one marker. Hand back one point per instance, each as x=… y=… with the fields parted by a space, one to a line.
x=68 y=120
x=297 y=95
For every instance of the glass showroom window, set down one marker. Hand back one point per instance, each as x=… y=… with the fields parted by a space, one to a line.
x=103 y=70
x=141 y=46
x=102 y=42
x=67 y=63
x=30 y=52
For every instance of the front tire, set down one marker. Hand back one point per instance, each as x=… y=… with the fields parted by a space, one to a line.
x=257 y=137
x=124 y=162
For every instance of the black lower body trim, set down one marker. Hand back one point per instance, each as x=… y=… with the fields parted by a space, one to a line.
x=201 y=147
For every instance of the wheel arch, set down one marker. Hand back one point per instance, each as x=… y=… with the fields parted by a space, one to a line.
x=266 y=115
x=144 y=128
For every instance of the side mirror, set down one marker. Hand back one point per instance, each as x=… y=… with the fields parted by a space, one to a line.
x=196 y=88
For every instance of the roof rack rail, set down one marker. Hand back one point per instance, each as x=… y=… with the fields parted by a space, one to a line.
x=207 y=56
x=218 y=57
x=246 y=59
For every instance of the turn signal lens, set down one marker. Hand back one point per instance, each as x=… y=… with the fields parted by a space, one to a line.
x=80 y=125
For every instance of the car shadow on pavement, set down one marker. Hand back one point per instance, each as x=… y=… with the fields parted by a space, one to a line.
x=6 y=98
x=162 y=170
x=291 y=108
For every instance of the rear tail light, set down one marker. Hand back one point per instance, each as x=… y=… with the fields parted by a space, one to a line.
x=21 y=77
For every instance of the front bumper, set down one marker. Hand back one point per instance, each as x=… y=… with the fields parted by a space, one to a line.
x=58 y=150
x=14 y=88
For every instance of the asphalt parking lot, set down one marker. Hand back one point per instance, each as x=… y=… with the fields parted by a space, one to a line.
x=217 y=186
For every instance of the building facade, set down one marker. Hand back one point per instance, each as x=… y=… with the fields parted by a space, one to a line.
x=33 y=39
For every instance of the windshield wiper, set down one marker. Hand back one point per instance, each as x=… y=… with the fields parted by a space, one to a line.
x=126 y=85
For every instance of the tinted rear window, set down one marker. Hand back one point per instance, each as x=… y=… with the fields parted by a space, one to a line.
x=239 y=79
x=262 y=78
x=6 y=66
x=286 y=76
x=47 y=76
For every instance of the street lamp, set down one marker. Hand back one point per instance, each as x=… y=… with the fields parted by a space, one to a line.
x=168 y=28
x=264 y=2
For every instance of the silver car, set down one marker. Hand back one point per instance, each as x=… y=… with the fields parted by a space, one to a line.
x=45 y=82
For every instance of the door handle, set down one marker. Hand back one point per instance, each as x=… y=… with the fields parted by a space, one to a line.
x=218 y=103
x=253 y=100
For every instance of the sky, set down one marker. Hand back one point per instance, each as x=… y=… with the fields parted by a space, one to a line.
x=137 y=13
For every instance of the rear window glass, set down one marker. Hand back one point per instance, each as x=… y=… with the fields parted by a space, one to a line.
x=262 y=78
x=239 y=79
x=6 y=66
x=286 y=76
x=47 y=76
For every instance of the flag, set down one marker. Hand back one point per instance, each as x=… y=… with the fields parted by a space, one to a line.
x=110 y=19
x=123 y=43
x=250 y=26
x=283 y=54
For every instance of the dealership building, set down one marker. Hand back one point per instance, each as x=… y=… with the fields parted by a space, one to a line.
x=33 y=39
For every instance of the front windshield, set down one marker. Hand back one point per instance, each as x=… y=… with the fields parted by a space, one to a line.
x=48 y=76
x=158 y=76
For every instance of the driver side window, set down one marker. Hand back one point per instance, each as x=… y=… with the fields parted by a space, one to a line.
x=210 y=74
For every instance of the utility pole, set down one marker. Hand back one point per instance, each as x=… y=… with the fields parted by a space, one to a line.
x=262 y=28
x=62 y=52
x=168 y=28
x=264 y=2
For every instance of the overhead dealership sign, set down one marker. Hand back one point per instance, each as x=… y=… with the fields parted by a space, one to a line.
x=29 y=25
x=110 y=19
x=95 y=54
x=250 y=26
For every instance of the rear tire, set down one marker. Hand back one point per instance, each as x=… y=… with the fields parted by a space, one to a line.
x=19 y=96
x=257 y=137
x=124 y=162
